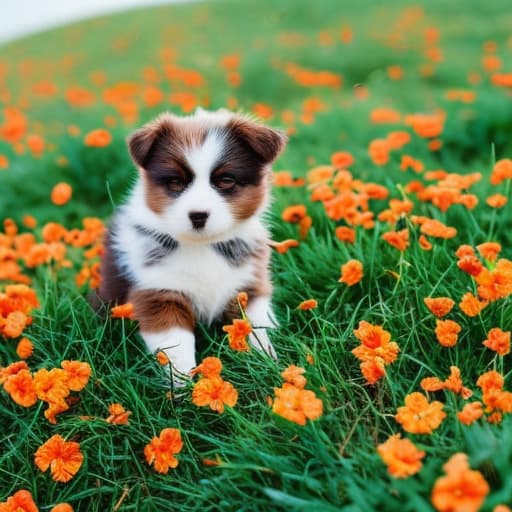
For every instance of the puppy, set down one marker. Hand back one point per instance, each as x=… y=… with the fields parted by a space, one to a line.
x=191 y=234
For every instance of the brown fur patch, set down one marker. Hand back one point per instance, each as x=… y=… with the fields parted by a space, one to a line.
x=158 y=310
x=246 y=202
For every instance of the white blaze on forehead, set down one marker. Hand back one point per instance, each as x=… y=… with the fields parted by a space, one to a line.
x=202 y=159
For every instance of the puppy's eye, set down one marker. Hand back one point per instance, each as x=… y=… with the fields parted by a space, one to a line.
x=224 y=182
x=175 y=184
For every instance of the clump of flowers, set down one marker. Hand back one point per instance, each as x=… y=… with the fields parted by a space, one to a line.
x=211 y=390
x=452 y=383
x=292 y=401
x=375 y=352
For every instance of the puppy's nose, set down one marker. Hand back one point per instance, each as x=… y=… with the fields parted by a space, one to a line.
x=198 y=219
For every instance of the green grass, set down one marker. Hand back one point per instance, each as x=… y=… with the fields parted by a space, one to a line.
x=267 y=463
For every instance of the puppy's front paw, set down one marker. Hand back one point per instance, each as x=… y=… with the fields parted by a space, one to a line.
x=260 y=341
x=179 y=346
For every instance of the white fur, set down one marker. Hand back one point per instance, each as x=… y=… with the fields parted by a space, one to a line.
x=178 y=345
x=261 y=317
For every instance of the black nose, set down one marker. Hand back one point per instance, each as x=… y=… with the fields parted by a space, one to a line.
x=198 y=219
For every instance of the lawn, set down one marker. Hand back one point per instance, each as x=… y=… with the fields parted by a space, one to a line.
x=393 y=189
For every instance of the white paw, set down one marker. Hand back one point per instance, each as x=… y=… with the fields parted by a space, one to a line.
x=260 y=341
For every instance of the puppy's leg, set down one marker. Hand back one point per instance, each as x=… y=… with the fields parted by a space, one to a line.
x=260 y=314
x=167 y=322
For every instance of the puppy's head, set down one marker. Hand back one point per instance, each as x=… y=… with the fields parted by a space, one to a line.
x=204 y=174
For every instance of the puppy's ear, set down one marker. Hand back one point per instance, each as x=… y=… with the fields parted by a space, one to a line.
x=266 y=142
x=141 y=141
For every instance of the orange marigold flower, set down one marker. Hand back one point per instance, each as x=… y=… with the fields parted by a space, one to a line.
x=21 y=501
x=496 y=283
x=243 y=299
x=470 y=305
x=98 y=138
x=20 y=387
x=118 y=414
x=501 y=171
x=29 y=221
x=122 y=311
x=342 y=159
x=351 y=272
x=470 y=413
x=237 y=334
x=470 y=264
x=12 y=369
x=62 y=507
x=437 y=229
x=320 y=174
x=294 y=375
x=497 y=201
x=282 y=247
x=401 y=456
x=307 y=304
x=501 y=508
x=77 y=374
x=25 y=348
x=304 y=226
x=489 y=250
x=61 y=193
x=439 y=306
x=447 y=332
x=346 y=234
x=296 y=404
x=64 y=458
x=375 y=344
x=373 y=370
x=418 y=416
x=14 y=324
x=294 y=213
x=51 y=386
x=214 y=392
x=162 y=358
x=431 y=384
x=462 y=489
x=398 y=239
x=498 y=340
x=161 y=451
x=424 y=243
x=490 y=381
x=209 y=367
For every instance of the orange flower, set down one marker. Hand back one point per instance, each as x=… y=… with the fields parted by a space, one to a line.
x=282 y=247
x=375 y=342
x=489 y=250
x=462 y=489
x=214 y=392
x=118 y=414
x=20 y=387
x=161 y=451
x=351 y=272
x=77 y=374
x=122 y=311
x=296 y=404
x=61 y=193
x=470 y=413
x=470 y=264
x=447 y=332
x=398 y=239
x=497 y=201
x=243 y=299
x=373 y=370
x=209 y=367
x=237 y=334
x=418 y=416
x=64 y=458
x=162 y=358
x=98 y=138
x=62 y=507
x=501 y=171
x=498 y=340
x=437 y=229
x=294 y=213
x=51 y=386
x=496 y=283
x=431 y=384
x=342 y=159
x=294 y=376
x=439 y=306
x=307 y=304
x=402 y=458
x=470 y=305
x=346 y=234
x=21 y=501
x=25 y=348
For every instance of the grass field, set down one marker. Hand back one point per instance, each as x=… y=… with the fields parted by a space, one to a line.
x=398 y=115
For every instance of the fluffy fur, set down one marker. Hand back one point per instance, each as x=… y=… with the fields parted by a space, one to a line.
x=191 y=235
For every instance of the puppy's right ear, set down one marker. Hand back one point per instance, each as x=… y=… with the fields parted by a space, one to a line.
x=142 y=140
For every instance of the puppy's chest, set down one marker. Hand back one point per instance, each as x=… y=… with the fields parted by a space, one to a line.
x=209 y=275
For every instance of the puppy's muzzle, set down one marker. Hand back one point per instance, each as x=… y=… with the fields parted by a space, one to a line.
x=198 y=219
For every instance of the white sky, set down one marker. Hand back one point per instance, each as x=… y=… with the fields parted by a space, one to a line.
x=22 y=17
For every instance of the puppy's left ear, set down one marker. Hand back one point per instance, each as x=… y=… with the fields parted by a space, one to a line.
x=266 y=142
